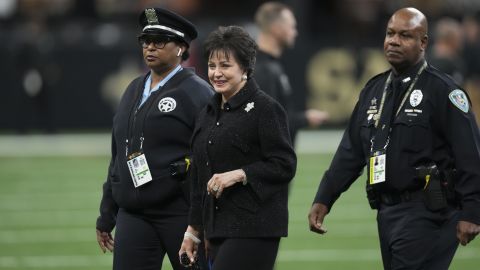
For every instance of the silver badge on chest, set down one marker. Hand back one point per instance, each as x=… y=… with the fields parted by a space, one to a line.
x=167 y=104
x=416 y=97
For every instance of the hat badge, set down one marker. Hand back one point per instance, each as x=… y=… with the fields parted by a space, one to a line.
x=151 y=16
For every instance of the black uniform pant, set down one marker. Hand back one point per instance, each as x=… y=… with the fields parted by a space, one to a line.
x=141 y=242
x=413 y=237
x=243 y=253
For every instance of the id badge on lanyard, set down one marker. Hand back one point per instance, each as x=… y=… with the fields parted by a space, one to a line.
x=138 y=167
x=377 y=168
x=377 y=165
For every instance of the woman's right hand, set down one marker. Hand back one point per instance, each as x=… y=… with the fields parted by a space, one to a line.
x=189 y=246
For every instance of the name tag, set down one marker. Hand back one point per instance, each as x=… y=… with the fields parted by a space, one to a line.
x=377 y=169
x=139 y=170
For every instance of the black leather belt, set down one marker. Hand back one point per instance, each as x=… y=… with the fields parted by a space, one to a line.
x=405 y=196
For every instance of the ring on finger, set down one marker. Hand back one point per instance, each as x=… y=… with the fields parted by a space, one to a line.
x=215 y=188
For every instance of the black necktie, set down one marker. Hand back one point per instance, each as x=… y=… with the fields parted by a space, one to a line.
x=383 y=129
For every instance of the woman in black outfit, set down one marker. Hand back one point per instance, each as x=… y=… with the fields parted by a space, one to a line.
x=243 y=162
x=143 y=196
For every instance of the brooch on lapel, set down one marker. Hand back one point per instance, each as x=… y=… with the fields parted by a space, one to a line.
x=249 y=106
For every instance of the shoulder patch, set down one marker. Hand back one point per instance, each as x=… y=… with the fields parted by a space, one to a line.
x=460 y=100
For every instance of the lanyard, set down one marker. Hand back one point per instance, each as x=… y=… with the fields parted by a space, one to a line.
x=382 y=102
x=132 y=124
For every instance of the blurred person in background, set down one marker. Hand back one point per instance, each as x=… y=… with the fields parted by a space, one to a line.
x=471 y=54
x=243 y=162
x=415 y=130
x=145 y=195
x=446 y=54
x=33 y=51
x=278 y=30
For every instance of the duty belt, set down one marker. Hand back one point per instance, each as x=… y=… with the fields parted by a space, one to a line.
x=405 y=196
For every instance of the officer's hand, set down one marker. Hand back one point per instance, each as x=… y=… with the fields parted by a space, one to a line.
x=466 y=232
x=316 y=216
x=221 y=181
x=105 y=241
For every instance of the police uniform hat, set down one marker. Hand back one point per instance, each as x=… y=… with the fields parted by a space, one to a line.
x=159 y=21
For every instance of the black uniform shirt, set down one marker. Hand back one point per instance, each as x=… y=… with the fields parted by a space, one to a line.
x=166 y=121
x=249 y=133
x=429 y=128
x=272 y=79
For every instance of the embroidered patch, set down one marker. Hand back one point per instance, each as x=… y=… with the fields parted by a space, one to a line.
x=460 y=100
x=416 y=97
x=249 y=106
x=167 y=104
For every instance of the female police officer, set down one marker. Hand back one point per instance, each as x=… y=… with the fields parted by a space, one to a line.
x=243 y=162
x=143 y=194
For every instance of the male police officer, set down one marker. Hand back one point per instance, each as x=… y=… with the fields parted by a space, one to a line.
x=414 y=129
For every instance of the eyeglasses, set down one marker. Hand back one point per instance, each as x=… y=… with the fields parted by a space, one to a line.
x=159 y=41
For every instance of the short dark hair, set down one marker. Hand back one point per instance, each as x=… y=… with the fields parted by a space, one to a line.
x=235 y=40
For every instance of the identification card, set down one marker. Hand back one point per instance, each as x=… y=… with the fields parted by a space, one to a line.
x=139 y=170
x=377 y=169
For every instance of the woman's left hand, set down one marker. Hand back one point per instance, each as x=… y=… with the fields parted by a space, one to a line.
x=221 y=181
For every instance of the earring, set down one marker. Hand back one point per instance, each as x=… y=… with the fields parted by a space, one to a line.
x=179 y=51
x=244 y=77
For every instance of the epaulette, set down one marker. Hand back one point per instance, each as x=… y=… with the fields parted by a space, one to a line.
x=445 y=78
x=378 y=76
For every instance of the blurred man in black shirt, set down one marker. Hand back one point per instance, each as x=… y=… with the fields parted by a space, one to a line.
x=277 y=26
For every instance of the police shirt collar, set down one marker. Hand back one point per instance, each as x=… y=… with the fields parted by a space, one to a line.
x=408 y=75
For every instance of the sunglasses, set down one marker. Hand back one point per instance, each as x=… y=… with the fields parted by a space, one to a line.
x=159 y=41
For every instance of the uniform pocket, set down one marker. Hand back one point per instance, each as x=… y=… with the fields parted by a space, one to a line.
x=414 y=132
x=366 y=129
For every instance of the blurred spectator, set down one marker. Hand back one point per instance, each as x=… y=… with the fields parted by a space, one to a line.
x=32 y=80
x=471 y=54
x=278 y=30
x=446 y=54
x=72 y=29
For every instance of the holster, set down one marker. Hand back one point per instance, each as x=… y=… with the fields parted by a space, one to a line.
x=179 y=170
x=435 y=187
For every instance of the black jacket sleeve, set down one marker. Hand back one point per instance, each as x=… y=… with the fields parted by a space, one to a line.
x=278 y=160
x=196 y=205
x=347 y=164
x=108 y=207
x=462 y=134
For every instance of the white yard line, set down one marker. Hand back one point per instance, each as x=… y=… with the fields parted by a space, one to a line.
x=55 y=145
x=98 y=144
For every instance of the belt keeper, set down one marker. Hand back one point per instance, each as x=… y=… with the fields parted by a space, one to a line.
x=191 y=236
